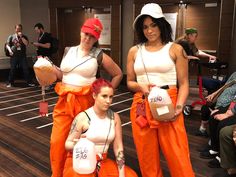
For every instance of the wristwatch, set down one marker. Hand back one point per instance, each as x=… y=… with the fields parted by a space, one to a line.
x=179 y=106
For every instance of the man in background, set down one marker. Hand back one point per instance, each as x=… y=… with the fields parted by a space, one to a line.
x=44 y=41
x=16 y=45
x=43 y=45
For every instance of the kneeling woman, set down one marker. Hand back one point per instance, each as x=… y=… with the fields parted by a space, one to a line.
x=101 y=126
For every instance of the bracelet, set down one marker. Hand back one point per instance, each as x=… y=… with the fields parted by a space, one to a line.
x=179 y=106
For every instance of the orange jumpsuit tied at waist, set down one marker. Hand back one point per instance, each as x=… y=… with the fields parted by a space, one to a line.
x=72 y=100
x=170 y=137
x=108 y=169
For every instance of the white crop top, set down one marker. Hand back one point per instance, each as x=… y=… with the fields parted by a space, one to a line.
x=160 y=67
x=76 y=70
x=98 y=131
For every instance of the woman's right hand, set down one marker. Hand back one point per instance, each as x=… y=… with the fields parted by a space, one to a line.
x=145 y=89
x=210 y=97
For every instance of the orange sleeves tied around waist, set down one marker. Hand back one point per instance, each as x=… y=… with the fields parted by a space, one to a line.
x=72 y=100
x=108 y=168
x=138 y=99
x=169 y=137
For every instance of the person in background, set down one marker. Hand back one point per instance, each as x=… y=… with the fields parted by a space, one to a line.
x=228 y=143
x=43 y=44
x=216 y=123
x=85 y=125
x=16 y=45
x=44 y=41
x=77 y=72
x=156 y=60
x=223 y=101
x=188 y=43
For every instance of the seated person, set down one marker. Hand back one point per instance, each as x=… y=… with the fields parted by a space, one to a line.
x=216 y=123
x=97 y=126
x=227 y=143
x=222 y=102
x=188 y=43
x=211 y=85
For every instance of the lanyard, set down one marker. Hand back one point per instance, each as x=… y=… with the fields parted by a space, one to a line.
x=40 y=37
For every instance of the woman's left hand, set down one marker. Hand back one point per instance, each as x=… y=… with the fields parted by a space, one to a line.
x=178 y=110
x=223 y=116
x=214 y=111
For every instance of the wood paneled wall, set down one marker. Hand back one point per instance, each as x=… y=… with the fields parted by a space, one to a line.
x=55 y=5
x=226 y=26
x=213 y=23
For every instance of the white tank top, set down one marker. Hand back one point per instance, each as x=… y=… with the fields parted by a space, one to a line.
x=78 y=71
x=98 y=131
x=160 y=67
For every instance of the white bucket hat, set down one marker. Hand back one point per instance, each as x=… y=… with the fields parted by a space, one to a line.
x=152 y=9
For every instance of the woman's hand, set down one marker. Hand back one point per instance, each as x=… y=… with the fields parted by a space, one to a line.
x=122 y=174
x=226 y=115
x=178 y=110
x=210 y=97
x=214 y=111
x=145 y=89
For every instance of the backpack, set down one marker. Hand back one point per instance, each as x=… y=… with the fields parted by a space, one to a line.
x=54 y=45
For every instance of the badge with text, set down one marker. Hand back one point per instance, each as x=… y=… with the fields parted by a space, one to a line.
x=43 y=109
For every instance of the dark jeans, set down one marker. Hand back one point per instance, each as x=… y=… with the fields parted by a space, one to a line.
x=212 y=84
x=14 y=62
x=206 y=112
x=215 y=126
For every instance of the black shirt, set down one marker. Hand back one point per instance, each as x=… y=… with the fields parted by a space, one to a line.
x=43 y=39
x=190 y=49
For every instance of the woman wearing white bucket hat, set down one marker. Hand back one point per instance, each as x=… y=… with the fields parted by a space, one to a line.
x=157 y=62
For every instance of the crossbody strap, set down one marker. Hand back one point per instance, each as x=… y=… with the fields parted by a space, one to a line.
x=140 y=49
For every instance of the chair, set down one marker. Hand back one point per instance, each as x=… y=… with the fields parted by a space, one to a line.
x=202 y=82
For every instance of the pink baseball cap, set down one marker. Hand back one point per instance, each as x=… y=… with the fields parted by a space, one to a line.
x=92 y=26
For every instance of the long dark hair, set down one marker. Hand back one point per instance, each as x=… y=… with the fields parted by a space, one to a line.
x=164 y=26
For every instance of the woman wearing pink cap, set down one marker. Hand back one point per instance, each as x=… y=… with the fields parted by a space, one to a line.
x=158 y=63
x=77 y=72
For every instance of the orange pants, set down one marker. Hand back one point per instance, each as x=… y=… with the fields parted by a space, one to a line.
x=108 y=169
x=71 y=102
x=170 y=137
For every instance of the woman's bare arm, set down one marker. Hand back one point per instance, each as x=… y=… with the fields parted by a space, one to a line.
x=118 y=146
x=113 y=70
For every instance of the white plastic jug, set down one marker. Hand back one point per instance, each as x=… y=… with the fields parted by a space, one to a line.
x=43 y=69
x=160 y=104
x=84 y=156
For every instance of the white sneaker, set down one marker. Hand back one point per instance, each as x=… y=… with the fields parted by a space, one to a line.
x=31 y=85
x=9 y=85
